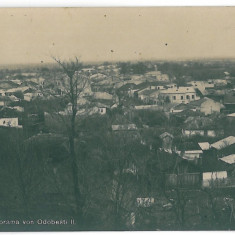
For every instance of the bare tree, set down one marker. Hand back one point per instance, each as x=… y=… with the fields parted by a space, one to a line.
x=76 y=84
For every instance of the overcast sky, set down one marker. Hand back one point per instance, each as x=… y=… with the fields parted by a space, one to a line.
x=102 y=34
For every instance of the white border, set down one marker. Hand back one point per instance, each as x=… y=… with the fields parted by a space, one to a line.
x=113 y=3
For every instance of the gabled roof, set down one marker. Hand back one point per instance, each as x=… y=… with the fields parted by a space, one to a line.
x=224 y=143
x=165 y=134
x=198 y=122
x=230 y=159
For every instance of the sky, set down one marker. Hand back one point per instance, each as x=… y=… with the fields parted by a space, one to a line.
x=32 y=35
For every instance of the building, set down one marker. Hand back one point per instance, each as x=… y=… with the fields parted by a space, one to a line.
x=201 y=85
x=9 y=122
x=223 y=143
x=201 y=126
x=206 y=106
x=179 y=95
x=167 y=140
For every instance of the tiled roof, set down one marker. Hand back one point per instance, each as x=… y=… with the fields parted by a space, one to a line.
x=204 y=145
x=230 y=159
x=224 y=143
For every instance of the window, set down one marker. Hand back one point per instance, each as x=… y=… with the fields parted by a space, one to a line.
x=182 y=97
x=187 y=97
x=192 y=96
x=174 y=97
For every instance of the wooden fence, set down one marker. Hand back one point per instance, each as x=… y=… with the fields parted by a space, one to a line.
x=183 y=180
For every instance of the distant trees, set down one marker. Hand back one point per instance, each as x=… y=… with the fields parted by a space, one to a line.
x=133 y=68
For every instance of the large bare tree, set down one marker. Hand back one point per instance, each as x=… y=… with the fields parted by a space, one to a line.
x=75 y=87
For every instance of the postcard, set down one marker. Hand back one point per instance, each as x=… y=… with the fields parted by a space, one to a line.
x=117 y=119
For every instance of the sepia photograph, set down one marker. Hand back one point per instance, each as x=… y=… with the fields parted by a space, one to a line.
x=117 y=119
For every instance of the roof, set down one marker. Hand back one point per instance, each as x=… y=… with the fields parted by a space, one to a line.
x=101 y=105
x=199 y=123
x=199 y=102
x=231 y=115
x=125 y=127
x=22 y=89
x=224 y=143
x=102 y=95
x=230 y=159
x=181 y=107
x=165 y=134
x=149 y=92
x=179 y=90
x=169 y=106
x=204 y=145
x=194 y=151
x=7 y=84
x=127 y=86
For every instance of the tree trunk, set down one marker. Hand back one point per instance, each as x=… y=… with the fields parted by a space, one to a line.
x=77 y=193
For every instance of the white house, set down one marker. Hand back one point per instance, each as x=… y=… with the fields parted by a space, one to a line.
x=180 y=94
x=9 y=122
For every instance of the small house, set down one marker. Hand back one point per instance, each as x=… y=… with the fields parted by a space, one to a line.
x=167 y=140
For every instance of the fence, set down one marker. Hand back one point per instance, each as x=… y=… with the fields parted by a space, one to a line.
x=183 y=180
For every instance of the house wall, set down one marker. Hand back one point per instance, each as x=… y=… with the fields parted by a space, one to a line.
x=210 y=179
x=193 y=132
x=12 y=122
x=181 y=97
x=183 y=180
x=102 y=111
x=210 y=133
x=28 y=96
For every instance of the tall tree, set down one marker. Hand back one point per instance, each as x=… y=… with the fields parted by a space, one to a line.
x=76 y=85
